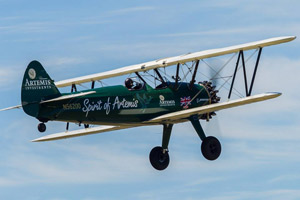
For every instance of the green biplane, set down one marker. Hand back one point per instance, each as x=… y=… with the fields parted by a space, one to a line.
x=136 y=103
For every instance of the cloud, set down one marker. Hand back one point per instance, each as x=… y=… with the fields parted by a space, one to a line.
x=64 y=61
x=9 y=76
x=76 y=163
x=212 y=32
x=131 y=10
x=285 y=178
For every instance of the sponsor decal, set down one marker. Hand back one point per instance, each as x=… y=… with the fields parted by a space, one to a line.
x=37 y=84
x=185 y=102
x=201 y=100
x=31 y=73
x=164 y=102
x=108 y=105
x=161 y=97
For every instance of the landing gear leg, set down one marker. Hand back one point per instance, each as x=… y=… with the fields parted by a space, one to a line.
x=42 y=127
x=210 y=147
x=159 y=156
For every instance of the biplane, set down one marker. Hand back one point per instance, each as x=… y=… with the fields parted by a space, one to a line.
x=137 y=103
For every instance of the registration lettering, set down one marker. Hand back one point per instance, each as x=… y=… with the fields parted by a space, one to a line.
x=72 y=106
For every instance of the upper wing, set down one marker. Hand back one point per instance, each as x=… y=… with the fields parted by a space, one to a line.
x=77 y=133
x=174 y=60
x=184 y=114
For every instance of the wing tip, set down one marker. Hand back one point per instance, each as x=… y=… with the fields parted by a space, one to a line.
x=10 y=108
x=37 y=140
x=275 y=94
x=292 y=37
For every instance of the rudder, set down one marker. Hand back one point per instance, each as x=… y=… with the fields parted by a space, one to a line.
x=36 y=86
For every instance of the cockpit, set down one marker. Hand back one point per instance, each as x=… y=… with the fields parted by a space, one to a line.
x=133 y=85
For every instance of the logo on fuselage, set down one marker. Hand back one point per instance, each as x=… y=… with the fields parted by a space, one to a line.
x=164 y=102
x=185 y=102
x=198 y=100
x=31 y=73
x=161 y=97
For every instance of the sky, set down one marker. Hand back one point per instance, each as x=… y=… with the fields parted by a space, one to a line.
x=260 y=142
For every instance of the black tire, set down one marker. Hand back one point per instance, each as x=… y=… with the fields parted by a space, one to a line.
x=42 y=127
x=158 y=159
x=211 y=148
x=86 y=125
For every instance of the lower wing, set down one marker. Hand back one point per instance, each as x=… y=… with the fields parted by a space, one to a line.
x=176 y=117
x=81 y=132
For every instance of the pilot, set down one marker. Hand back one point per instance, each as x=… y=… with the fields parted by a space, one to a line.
x=132 y=85
x=129 y=83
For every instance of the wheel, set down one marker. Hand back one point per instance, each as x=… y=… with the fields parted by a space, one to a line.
x=42 y=127
x=211 y=148
x=158 y=159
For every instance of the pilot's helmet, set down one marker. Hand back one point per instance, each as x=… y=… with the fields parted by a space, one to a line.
x=129 y=83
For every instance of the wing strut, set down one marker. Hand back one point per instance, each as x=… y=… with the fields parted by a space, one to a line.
x=245 y=75
x=177 y=76
x=241 y=55
x=140 y=77
x=194 y=75
x=160 y=77
x=255 y=69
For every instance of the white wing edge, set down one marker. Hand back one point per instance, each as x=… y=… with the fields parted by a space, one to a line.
x=77 y=133
x=69 y=96
x=174 y=60
x=172 y=117
x=10 y=108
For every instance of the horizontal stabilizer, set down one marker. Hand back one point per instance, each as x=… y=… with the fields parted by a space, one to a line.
x=165 y=62
x=10 y=108
x=71 y=96
x=177 y=116
x=81 y=132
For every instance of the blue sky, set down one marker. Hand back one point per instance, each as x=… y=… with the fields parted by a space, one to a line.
x=260 y=157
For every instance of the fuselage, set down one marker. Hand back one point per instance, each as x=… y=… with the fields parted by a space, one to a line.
x=119 y=105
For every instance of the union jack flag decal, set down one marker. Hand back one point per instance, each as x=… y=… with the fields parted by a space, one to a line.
x=185 y=101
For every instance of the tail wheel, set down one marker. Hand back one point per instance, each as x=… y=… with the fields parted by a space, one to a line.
x=159 y=159
x=211 y=148
x=42 y=127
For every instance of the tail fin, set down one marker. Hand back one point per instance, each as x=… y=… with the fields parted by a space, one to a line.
x=37 y=86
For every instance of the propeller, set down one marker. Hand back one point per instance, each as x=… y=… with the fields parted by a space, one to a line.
x=214 y=65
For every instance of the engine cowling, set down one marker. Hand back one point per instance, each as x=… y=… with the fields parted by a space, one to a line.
x=211 y=89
